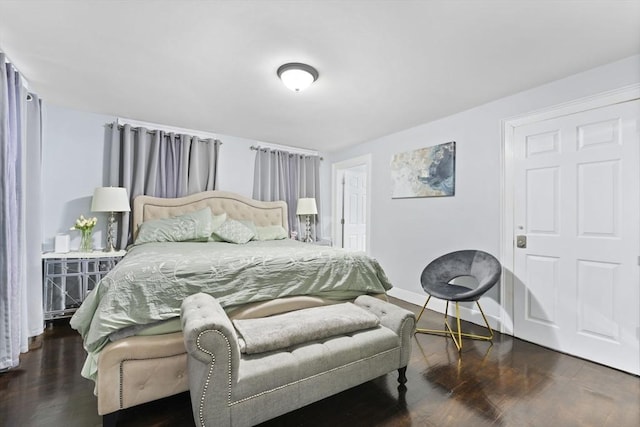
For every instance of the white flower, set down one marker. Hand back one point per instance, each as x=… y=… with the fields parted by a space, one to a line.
x=83 y=223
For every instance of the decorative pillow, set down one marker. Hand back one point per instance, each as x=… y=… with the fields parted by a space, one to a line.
x=251 y=226
x=271 y=232
x=216 y=222
x=192 y=226
x=234 y=232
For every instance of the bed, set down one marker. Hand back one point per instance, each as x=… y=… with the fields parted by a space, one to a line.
x=130 y=321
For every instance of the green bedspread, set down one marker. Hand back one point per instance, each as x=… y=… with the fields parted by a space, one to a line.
x=152 y=280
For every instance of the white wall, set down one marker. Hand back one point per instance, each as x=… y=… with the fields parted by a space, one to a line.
x=72 y=159
x=74 y=152
x=408 y=233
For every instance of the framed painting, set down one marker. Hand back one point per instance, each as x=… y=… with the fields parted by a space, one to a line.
x=426 y=172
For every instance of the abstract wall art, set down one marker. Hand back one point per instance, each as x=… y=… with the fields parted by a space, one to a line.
x=426 y=172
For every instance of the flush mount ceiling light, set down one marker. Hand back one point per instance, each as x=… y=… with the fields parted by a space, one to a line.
x=296 y=76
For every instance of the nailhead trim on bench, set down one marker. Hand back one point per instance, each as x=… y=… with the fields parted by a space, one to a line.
x=211 y=366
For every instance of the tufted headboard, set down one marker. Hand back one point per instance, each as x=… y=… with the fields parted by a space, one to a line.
x=236 y=206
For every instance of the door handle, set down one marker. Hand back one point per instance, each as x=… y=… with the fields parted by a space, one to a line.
x=521 y=241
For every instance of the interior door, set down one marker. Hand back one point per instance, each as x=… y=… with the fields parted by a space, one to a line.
x=577 y=203
x=355 y=216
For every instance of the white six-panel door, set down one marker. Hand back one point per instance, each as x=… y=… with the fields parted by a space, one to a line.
x=355 y=215
x=576 y=201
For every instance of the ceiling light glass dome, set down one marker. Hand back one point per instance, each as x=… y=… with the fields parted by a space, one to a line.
x=297 y=76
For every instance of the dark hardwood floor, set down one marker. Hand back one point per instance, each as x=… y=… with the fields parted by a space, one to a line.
x=509 y=383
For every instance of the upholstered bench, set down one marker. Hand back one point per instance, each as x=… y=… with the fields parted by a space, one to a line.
x=235 y=384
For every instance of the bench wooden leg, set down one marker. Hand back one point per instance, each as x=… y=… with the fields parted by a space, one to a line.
x=110 y=420
x=402 y=375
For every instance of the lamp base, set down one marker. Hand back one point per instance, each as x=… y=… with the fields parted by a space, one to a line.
x=308 y=238
x=110 y=228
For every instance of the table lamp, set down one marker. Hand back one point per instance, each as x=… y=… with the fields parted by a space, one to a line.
x=112 y=200
x=307 y=207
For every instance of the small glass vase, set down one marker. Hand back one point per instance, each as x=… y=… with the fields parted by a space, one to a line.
x=86 y=242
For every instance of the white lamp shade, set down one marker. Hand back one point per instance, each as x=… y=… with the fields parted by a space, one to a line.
x=307 y=206
x=110 y=199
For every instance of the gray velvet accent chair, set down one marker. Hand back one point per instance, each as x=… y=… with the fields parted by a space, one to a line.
x=437 y=278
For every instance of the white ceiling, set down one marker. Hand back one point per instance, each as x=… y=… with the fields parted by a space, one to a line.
x=384 y=65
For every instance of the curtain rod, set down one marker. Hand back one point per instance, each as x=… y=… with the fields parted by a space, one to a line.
x=154 y=131
x=257 y=147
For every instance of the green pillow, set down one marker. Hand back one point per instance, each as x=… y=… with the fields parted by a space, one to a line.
x=216 y=222
x=251 y=226
x=192 y=226
x=233 y=231
x=271 y=232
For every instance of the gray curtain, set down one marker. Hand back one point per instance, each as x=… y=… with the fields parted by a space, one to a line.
x=33 y=214
x=161 y=164
x=281 y=175
x=20 y=275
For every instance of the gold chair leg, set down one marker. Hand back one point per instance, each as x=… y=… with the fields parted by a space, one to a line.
x=459 y=343
x=450 y=332
x=422 y=311
x=475 y=336
x=490 y=337
x=446 y=312
x=430 y=331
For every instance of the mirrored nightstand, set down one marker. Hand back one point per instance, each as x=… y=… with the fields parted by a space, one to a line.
x=69 y=277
